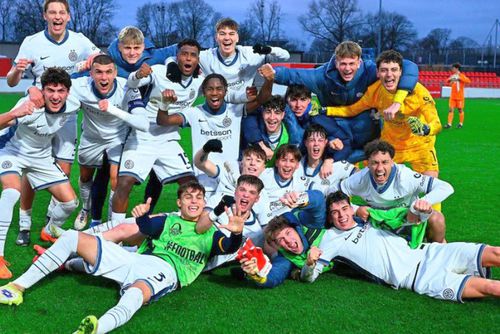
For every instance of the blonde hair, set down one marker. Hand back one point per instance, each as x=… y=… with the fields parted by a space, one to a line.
x=348 y=49
x=131 y=35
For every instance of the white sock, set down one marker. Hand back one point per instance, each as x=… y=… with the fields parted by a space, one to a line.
x=61 y=212
x=85 y=188
x=49 y=261
x=110 y=204
x=25 y=219
x=108 y=226
x=53 y=202
x=8 y=200
x=116 y=216
x=130 y=302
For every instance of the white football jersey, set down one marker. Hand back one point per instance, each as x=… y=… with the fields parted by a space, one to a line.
x=341 y=170
x=45 y=52
x=32 y=135
x=276 y=189
x=240 y=69
x=186 y=92
x=378 y=253
x=99 y=125
x=402 y=188
x=224 y=125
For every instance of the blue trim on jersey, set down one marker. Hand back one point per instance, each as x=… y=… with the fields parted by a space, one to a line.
x=134 y=175
x=161 y=293
x=219 y=56
x=387 y=184
x=10 y=172
x=278 y=179
x=4 y=139
x=216 y=174
x=361 y=270
x=316 y=170
x=462 y=287
x=97 y=259
x=185 y=122
x=188 y=84
x=478 y=262
x=53 y=41
x=173 y=178
x=429 y=185
x=50 y=184
x=99 y=95
x=48 y=111
x=209 y=110
x=139 y=103
x=249 y=222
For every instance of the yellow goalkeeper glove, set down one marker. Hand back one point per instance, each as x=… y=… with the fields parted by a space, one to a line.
x=417 y=127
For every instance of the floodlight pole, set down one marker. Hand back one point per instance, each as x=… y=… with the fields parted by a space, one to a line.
x=496 y=45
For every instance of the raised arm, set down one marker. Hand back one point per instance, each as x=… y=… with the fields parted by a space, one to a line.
x=163 y=118
x=141 y=77
x=9 y=118
x=201 y=157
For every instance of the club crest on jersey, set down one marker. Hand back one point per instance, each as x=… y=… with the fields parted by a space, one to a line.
x=448 y=293
x=73 y=56
x=6 y=164
x=176 y=229
x=129 y=164
x=325 y=182
x=192 y=94
x=63 y=120
x=226 y=122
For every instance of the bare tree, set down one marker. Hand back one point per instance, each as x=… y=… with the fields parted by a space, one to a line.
x=6 y=20
x=157 y=21
x=194 y=19
x=265 y=16
x=398 y=32
x=437 y=40
x=93 y=19
x=463 y=42
x=29 y=18
x=331 y=21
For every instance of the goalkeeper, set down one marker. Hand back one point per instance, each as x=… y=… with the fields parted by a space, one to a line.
x=413 y=129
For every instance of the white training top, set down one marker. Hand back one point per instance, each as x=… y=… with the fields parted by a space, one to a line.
x=401 y=190
x=241 y=68
x=32 y=135
x=46 y=52
x=187 y=91
x=341 y=170
x=104 y=126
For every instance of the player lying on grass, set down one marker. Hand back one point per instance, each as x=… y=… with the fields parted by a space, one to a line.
x=386 y=185
x=171 y=257
x=453 y=271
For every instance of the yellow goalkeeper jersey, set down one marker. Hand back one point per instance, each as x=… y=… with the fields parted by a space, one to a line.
x=397 y=131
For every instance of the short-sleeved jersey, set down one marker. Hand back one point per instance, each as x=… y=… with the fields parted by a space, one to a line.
x=397 y=132
x=46 y=52
x=240 y=69
x=186 y=92
x=341 y=170
x=32 y=135
x=183 y=248
x=99 y=125
x=224 y=125
x=276 y=189
x=401 y=189
x=383 y=256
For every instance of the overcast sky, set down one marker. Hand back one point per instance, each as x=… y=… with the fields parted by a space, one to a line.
x=470 y=18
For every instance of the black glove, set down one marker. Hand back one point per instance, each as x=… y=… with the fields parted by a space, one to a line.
x=213 y=145
x=226 y=201
x=261 y=49
x=174 y=72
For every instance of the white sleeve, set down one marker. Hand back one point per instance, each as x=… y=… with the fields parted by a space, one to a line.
x=133 y=82
x=24 y=51
x=438 y=191
x=89 y=47
x=138 y=120
x=236 y=97
x=279 y=54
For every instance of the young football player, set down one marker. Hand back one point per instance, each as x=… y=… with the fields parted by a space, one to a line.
x=458 y=80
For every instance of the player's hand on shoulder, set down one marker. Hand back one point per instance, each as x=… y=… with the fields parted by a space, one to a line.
x=103 y=105
x=142 y=209
x=26 y=108
x=290 y=199
x=313 y=256
x=143 y=71
x=336 y=144
x=168 y=96
x=267 y=71
x=36 y=96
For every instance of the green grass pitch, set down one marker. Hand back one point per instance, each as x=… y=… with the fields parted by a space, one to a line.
x=469 y=159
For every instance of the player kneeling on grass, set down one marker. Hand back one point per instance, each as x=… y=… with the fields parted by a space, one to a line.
x=451 y=271
x=172 y=256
